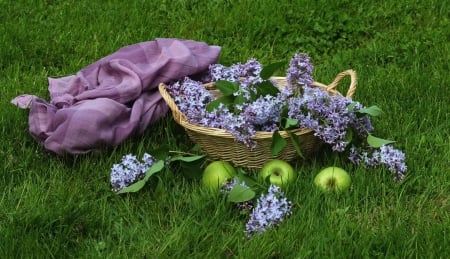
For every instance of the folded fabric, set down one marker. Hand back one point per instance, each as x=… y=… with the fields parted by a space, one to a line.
x=113 y=98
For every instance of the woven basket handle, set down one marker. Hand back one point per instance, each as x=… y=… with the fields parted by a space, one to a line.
x=332 y=88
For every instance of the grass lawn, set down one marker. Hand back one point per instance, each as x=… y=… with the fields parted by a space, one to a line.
x=62 y=206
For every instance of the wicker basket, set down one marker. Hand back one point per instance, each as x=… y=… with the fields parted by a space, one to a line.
x=219 y=144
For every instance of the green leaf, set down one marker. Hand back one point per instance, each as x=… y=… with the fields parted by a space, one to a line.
x=192 y=170
x=159 y=189
x=240 y=193
x=156 y=167
x=227 y=88
x=296 y=144
x=348 y=136
x=269 y=70
x=196 y=148
x=290 y=123
x=248 y=180
x=284 y=113
x=351 y=106
x=161 y=153
x=187 y=158
x=372 y=110
x=266 y=88
x=239 y=100
x=225 y=100
x=278 y=143
x=377 y=142
x=133 y=187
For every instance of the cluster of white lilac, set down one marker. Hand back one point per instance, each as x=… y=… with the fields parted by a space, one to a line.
x=331 y=117
x=130 y=170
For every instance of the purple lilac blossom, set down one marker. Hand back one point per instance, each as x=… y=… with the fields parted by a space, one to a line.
x=325 y=114
x=270 y=211
x=329 y=116
x=191 y=98
x=247 y=75
x=237 y=124
x=392 y=158
x=265 y=112
x=242 y=130
x=130 y=170
x=316 y=109
x=299 y=73
x=221 y=72
x=362 y=125
x=250 y=74
x=250 y=70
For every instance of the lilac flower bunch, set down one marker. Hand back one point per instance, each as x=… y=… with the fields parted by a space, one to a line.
x=191 y=98
x=393 y=158
x=329 y=117
x=253 y=106
x=264 y=113
x=299 y=73
x=130 y=170
x=246 y=74
x=270 y=211
x=237 y=124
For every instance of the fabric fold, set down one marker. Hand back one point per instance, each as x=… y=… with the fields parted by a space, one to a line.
x=114 y=97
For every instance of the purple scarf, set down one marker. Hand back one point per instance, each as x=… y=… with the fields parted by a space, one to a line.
x=107 y=101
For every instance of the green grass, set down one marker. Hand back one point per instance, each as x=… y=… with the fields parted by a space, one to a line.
x=58 y=207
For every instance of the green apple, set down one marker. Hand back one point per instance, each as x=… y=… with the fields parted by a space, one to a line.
x=332 y=179
x=216 y=173
x=279 y=172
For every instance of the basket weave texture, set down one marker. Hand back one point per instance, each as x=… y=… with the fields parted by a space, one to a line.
x=219 y=144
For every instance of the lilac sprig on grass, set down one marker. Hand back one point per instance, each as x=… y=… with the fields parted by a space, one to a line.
x=392 y=158
x=130 y=170
x=270 y=211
